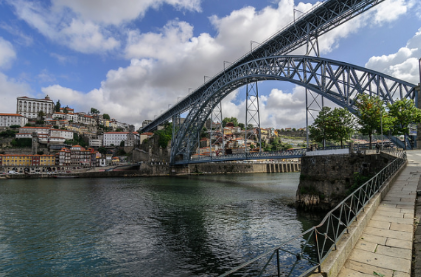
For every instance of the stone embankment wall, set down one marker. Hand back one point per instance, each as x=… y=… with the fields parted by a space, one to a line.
x=327 y=180
x=223 y=168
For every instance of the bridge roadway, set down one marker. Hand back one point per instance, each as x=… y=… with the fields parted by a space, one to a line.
x=386 y=245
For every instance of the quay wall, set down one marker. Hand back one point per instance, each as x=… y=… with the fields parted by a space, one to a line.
x=225 y=168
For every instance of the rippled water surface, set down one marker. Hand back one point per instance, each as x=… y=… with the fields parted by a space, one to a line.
x=193 y=226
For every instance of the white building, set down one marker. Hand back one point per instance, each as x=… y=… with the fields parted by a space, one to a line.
x=67 y=135
x=9 y=119
x=30 y=107
x=115 y=138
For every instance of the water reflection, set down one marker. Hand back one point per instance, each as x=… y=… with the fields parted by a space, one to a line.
x=194 y=226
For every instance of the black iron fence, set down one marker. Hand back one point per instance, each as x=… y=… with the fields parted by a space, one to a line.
x=303 y=254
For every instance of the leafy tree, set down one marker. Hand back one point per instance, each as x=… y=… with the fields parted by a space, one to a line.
x=119 y=129
x=372 y=116
x=14 y=126
x=241 y=125
x=250 y=126
x=21 y=142
x=65 y=110
x=95 y=111
x=106 y=116
x=40 y=152
x=41 y=114
x=294 y=130
x=404 y=112
x=319 y=130
x=57 y=106
x=165 y=135
x=344 y=124
x=122 y=143
x=102 y=150
x=233 y=120
x=28 y=124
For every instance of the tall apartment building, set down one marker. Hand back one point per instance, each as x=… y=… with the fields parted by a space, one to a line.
x=30 y=107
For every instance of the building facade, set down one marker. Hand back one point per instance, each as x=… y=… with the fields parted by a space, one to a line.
x=30 y=107
x=10 y=119
x=115 y=138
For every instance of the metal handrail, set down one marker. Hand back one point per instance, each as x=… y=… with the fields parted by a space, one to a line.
x=322 y=239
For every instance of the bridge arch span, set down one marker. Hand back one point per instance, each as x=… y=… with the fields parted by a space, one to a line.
x=339 y=82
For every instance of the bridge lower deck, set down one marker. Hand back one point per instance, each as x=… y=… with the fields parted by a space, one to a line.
x=385 y=247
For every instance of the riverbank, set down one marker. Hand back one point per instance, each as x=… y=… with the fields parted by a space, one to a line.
x=146 y=170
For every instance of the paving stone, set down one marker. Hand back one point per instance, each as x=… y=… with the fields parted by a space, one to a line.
x=399 y=243
x=401 y=274
x=366 y=245
x=394 y=252
x=373 y=238
x=389 y=233
x=367 y=269
x=389 y=214
x=379 y=224
x=405 y=206
x=402 y=227
x=382 y=261
x=408 y=216
x=394 y=219
x=345 y=272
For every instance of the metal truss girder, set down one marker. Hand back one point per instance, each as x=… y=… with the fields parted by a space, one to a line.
x=275 y=68
x=318 y=21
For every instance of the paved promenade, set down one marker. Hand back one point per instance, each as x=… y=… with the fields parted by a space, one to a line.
x=386 y=245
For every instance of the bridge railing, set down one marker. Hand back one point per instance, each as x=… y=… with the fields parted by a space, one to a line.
x=303 y=254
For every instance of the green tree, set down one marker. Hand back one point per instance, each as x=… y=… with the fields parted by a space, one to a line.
x=65 y=110
x=122 y=143
x=106 y=116
x=343 y=125
x=372 y=116
x=14 y=126
x=250 y=126
x=165 y=135
x=241 y=125
x=319 y=130
x=102 y=150
x=404 y=112
x=95 y=111
x=57 y=106
x=233 y=120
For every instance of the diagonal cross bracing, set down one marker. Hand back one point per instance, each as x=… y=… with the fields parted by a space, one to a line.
x=319 y=20
x=344 y=83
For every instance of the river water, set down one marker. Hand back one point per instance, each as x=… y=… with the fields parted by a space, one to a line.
x=167 y=226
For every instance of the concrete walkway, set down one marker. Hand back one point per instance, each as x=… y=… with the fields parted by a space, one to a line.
x=385 y=247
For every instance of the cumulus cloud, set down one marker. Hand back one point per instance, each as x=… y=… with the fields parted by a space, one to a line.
x=9 y=90
x=403 y=64
x=117 y=12
x=60 y=27
x=7 y=53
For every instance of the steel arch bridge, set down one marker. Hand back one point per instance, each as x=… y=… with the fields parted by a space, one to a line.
x=339 y=82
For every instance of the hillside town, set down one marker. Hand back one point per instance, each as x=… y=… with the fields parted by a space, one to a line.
x=42 y=137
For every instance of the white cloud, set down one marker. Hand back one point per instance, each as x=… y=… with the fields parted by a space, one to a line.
x=403 y=64
x=117 y=12
x=9 y=91
x=7 y=53
x=391 y=10
x=60 y=27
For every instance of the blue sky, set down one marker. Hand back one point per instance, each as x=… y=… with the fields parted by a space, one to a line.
x=131 y=59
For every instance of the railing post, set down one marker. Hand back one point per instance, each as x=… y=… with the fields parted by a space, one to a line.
x=316 y=241
x=278 y=263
